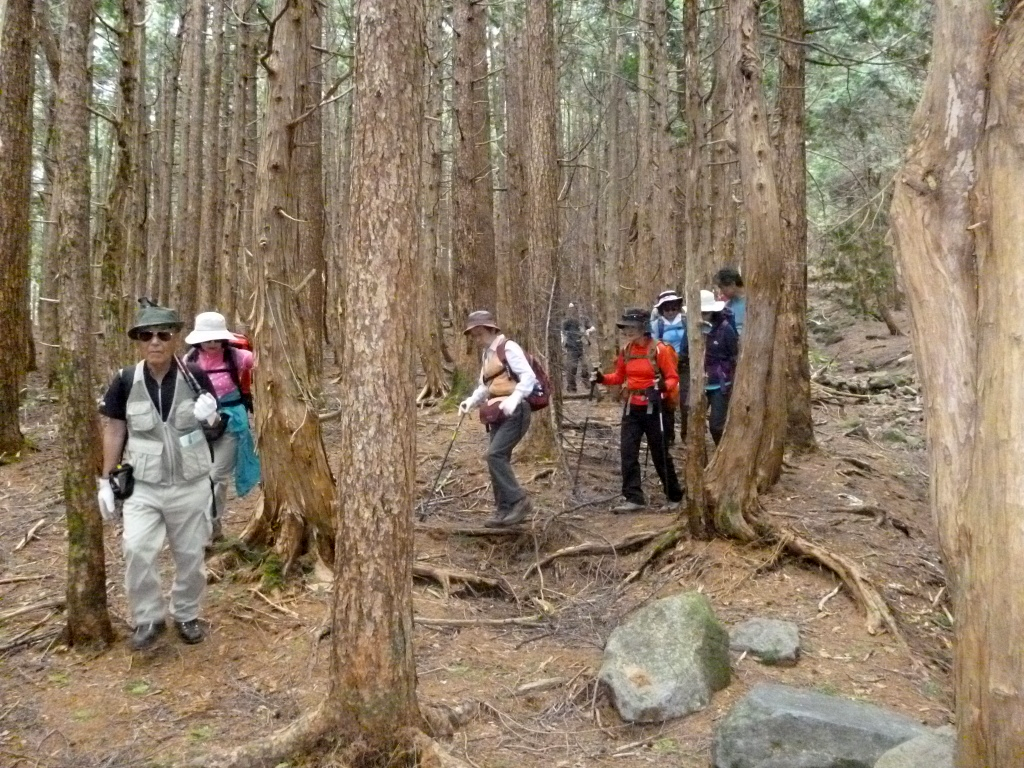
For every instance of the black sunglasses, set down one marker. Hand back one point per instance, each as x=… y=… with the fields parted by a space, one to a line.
x=148 y=335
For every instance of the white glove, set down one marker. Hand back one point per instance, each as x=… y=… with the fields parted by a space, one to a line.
x=105 y=497
x=465 y=406
x=509 y=404
x=205 y=408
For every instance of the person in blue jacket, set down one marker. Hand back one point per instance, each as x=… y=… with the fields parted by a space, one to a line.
x=668 y=325
x=729 y=286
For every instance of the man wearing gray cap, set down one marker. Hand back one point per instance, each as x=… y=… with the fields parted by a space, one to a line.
x=154 y=445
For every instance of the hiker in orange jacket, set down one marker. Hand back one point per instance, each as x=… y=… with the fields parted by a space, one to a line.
x=648 y=369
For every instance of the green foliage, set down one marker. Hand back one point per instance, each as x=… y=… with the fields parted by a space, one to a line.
x=272 y=573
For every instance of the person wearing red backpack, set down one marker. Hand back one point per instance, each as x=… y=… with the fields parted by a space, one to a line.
x=506 y=381
x=648 y=369
x=234 y=454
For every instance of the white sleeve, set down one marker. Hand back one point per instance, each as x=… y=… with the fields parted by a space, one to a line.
x=480 y=393
x=516 y=359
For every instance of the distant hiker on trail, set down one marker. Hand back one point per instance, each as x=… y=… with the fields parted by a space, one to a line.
x=576 y=330
x=721 y=349
x=669 y=326
x=506 y=379
x=154 y=422
x=729 y=287
x=234 y=454
x=647 y=368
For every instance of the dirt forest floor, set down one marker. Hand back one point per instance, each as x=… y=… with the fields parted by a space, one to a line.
x=264 y=661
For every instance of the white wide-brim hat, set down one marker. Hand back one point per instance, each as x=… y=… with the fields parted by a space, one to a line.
x=707 y=303
x=667 y=297
x=210 y=326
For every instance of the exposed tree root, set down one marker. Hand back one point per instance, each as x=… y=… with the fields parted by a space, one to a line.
x=667 y=540
x=525 y=621
x=430 y=754
x=598 y=548
x=440 y=531
x=443 y=720
x=445 y=577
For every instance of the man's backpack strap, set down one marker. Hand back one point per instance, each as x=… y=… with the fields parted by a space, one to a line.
x=503 y=359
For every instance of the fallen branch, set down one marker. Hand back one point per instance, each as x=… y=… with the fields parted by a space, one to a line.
x=31 y=535
x=669 y=538
x=40 y=606
x=447 y=530
x=540 y=685
x=870 y=510
x=275 y=606
x=445 y=577
x=525 y=621
x=20 y=579
x=598 y=548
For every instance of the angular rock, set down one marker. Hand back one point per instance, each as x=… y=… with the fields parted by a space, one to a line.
x=932 y=750
x=770 y=641
x=776 y=726
x=666 y=659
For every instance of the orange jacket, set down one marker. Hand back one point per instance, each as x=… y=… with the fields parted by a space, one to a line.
x=638 y=374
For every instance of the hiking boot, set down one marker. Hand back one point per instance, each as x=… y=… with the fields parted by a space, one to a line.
x=190 y=631
x=498 y=520
x=145 y=635
x=627 y=507
x=218 y=531
x=519 y=512
x=670 y=507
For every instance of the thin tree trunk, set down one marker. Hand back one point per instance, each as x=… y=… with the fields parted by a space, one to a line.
x=88 y=620
x=118 y=240
x=516 y=320
x=161 y=254
x=296 y=509
x=429 y=340
x=793 y=201
x=613 y=241
x=212 y=195
x=16 y=86
x=473 y=266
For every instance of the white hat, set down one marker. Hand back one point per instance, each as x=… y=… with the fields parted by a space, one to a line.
x=210 y=326
x=707 y=303
x=667 y=297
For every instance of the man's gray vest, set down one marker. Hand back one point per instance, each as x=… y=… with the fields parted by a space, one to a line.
x=165 y=452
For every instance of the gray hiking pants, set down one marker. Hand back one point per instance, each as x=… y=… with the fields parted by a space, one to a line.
x=504 y=438
x=222 y=473
x=180 y=514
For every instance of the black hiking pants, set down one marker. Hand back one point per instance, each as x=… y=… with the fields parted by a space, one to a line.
x=637 y=423
x=718 y=411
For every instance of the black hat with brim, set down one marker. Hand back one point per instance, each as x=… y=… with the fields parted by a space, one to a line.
x=151 y=316
x=637 y=317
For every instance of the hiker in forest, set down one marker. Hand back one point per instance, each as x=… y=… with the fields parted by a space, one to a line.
x=234 y=454
x=721 y=350
x=729 y=288
x=647 y=368
x=576 y=330
x=506 y=378
x=154 y=415
x=669 y=327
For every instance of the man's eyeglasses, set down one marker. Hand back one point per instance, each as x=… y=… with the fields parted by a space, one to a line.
x=146 y=336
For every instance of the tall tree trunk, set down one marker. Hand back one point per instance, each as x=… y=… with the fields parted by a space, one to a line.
x=473 y=265
x=16 y=85
x=542 y=199
x=429 y=340
x=184 y=270
x=723 y=210
x=373 y=673
x=757 y=413
x=231 y=243
x=88 y=620
x=989 y=672
x=792 y=169
x=696 y=272
x=961 y=271
x=212 y=195
x=613 y=248
x=296 y=509
x=118 y=240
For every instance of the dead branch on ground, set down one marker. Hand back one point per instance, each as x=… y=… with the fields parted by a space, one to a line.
x=598 y=548
x=445 y=577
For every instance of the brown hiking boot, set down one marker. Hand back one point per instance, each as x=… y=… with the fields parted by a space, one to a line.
x=520 y=510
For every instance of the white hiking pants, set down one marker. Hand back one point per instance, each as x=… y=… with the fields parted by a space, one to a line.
x=180 y=514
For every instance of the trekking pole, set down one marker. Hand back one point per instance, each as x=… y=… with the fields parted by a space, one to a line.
x=433 y=486
x=583 y=437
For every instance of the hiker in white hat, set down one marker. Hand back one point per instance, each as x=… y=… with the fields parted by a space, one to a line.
x=216 y=351
x=721 y=350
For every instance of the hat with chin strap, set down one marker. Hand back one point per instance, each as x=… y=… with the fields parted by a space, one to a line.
x=151 y=315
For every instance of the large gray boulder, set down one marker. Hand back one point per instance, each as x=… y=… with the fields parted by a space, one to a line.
x=770 y=641
x=932 y=750
x=666 y=659
x=775 y=726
